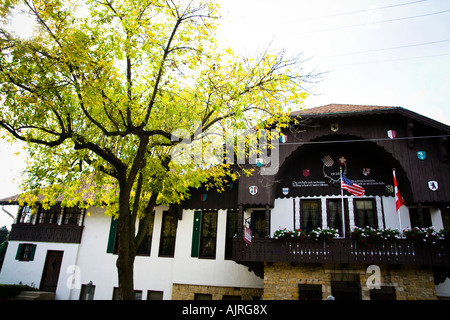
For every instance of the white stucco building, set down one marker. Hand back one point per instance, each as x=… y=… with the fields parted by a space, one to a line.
x=200 y=254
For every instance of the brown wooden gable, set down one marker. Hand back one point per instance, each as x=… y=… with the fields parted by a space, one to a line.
x=361 y=132
x=211 y=199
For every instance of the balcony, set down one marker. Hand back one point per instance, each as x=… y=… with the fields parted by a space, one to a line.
x=46 y=233
x=343 y=251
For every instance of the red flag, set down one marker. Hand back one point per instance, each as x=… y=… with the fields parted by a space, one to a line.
x=247 y=235
x=399 y=202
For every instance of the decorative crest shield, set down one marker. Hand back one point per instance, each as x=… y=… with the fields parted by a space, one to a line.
x=433 y=185
x=392 y=134
x=327 y=161
x=342 y=160
x=334 y=127
x=390 y=188
x=253 y=190
x=422 y=155
x=259 y=162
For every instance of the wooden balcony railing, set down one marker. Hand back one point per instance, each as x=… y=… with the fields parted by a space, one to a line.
x=399 y=251
x=46 y=232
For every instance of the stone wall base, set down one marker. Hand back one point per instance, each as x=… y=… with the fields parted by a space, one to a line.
x=189 y=291
x=282 y=280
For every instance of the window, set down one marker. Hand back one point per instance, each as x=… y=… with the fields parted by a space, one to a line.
x=258 y=223
x=310 y=214
x=208 y=234
x=365 y=214
x=113 y=240
x=168 y=234
x=446 y=218
x=154 y=295
x=232 y=226
x=196 y=229
x=414 y=217
x=202 y=296
x=25 y=252
x=346 y=290
x=310 y=292
x=87 y=291
x=50 y=215
x=384 y=293
x=334 y=213
x=24 y=215
x=145 y=246
x=345 y=287
x=72 y=215
x=137 y=294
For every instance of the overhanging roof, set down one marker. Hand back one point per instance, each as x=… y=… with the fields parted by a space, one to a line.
x=343 y=110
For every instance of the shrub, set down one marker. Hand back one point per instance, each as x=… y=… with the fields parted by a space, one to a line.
x=316 y=234
x=289 y=234
x=323 y=234
x=426 y=235
x=369 y=233
x=9 y=291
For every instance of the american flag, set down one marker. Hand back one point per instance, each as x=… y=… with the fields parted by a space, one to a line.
x=353 y=188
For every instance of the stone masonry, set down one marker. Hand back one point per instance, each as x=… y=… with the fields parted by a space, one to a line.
x=281 y=280
x=188 y=291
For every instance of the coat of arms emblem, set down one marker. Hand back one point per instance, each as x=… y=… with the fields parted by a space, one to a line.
x=392 y=134
x=422 y=155
x=253 y=190
x=259 y=162
x=433 y=185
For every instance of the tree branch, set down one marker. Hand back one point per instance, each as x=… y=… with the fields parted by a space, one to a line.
x=105 y=154
x=160 y=73
x=15 y=132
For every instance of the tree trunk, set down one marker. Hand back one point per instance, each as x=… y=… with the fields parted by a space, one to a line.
x=128 y=240
x=125 y=269
x=127 y=250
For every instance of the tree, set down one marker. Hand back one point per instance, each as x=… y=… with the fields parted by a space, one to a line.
x=105 y=93
x=4 y=235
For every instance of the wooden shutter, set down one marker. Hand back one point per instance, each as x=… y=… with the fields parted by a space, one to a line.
x=112 y=236
x=19 y=251
x=32 y=252
x=196 y=233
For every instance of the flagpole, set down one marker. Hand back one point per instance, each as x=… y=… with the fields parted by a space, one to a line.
x=342 y=205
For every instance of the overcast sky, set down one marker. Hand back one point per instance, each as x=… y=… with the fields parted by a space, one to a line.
x=385 y=52
x=380 y=52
